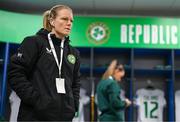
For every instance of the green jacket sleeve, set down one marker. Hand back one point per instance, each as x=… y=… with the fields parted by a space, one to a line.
x=116 y=102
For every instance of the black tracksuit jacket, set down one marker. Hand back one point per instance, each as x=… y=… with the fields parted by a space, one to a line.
x=32 y=73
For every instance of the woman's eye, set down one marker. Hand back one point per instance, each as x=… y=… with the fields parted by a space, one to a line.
x=67 y=19
x=64 y=18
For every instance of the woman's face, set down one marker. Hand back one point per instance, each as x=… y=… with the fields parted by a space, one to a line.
x=119 y=72
x=62 y=23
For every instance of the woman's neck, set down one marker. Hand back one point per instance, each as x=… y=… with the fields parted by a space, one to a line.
x=116 y=78
x=57 y=35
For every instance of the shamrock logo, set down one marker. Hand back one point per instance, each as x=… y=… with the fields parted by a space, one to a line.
x=98 y=33
x=71 y=58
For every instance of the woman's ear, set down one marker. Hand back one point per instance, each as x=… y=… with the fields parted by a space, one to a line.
x=52 y=22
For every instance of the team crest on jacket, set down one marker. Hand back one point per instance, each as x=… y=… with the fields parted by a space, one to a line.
x=71 y=58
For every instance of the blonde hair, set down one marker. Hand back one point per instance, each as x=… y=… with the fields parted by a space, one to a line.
x=110 y=70
x=51 y=14
x=46 y=23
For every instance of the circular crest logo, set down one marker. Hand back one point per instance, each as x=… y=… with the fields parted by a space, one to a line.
x=98 y=33
x=71 y=59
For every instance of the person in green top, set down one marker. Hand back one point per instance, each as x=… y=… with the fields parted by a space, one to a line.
x=109 y=101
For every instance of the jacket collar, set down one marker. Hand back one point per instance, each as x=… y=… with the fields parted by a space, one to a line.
x=57 y=41
x=110 y=77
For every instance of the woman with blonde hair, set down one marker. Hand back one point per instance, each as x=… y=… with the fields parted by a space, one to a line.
x=45 y=70
x=108 y=94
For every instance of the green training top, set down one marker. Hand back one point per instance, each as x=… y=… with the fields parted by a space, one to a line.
x=109 y=101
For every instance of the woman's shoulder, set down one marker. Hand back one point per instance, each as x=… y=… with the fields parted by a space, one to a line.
x=107 y=81
x=34 y=41
x=34 y=38
x=107 y=84
x=74 y=50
